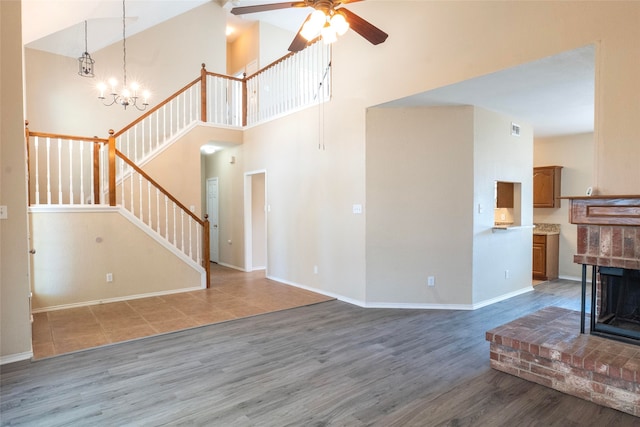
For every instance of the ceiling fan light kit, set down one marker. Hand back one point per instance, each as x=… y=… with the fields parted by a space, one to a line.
x=328 y=20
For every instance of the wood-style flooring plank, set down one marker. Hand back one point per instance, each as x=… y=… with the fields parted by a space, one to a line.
x=329 y=364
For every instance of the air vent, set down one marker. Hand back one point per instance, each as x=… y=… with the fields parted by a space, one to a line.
x=515 y=129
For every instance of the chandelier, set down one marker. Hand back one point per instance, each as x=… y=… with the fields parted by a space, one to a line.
x=327 y=22
x=128 y=95
x=85 y=62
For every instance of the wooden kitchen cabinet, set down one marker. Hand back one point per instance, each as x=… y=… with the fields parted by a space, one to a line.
x=504 y=194
x=545 y=256
x=546 y=186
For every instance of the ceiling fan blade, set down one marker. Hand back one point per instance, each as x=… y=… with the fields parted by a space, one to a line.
x=266 y=7
x=299 y=42
x=366 y=29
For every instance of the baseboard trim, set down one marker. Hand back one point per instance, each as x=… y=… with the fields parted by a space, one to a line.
x=117 y=299
x=409 y=306
x=18 y=357
x=235 y=267
x=502 y=297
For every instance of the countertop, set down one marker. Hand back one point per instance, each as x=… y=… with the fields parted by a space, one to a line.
x=546 y=229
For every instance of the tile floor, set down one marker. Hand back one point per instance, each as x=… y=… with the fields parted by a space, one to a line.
x=232 y=295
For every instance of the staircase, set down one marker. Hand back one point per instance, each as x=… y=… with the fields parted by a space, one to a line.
x=75 y=172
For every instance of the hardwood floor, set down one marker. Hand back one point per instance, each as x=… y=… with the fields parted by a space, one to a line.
x=328 y=364
x=233 y=294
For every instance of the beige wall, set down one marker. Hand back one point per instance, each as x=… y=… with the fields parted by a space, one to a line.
x=15 y=327
x=162 y=59
x=76 y=250
x=419 y=214
x=499 y=156
x=575 y=153
x=258 y=221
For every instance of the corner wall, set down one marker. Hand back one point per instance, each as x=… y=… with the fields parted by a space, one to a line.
x=499 y=156
x=419 y=205
x=15 y=325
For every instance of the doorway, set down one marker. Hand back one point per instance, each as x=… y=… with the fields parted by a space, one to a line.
x=212 y=211
x=255 y=224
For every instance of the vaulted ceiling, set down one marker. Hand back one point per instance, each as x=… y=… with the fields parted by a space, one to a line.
x=555 y=94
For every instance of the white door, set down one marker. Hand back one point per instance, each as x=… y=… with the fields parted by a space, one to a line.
x=212 y=211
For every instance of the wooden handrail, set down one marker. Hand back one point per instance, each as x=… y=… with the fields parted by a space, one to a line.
x=158 y=186
x=91 y=139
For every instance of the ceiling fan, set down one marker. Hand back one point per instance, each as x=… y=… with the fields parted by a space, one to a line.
x=328 y=20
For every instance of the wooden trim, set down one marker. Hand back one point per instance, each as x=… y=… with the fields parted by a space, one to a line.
x=72 y=137
x=203 y=94
x=210 y=73
x=96 y=172
x=112 y=168
x=26 y=136
x=618 y=210
x=155 y=184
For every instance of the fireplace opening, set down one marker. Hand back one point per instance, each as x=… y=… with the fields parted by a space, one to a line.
x=618 y=303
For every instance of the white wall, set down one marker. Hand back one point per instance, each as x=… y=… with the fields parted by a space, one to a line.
x=575 y=153
x=499 y=156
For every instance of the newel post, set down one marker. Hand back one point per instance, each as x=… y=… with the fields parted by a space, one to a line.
x=112 y=168
x=203 y=94
x=26 y=136
x=206 y=254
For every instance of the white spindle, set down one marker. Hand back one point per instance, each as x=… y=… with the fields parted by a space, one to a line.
x=81 y=152
x=37 y=149
x=189 y=224
x=131 y=184
x=181 y=230
x=60 y=201
x=48 y=171
x=140 y=197
x=171 y=118
x=166 y=217
x=149 y=203
x=198 y=240
x=158 y=210
x=174 y=225
x=92 y=197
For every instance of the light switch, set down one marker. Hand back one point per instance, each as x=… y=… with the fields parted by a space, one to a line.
x=357 y=209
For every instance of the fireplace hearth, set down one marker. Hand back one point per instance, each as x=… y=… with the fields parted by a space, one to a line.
x=609 y=243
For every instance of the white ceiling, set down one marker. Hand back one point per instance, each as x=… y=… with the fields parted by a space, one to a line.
x=555 y=94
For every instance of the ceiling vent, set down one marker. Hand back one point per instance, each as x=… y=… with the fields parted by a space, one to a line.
x=515 y=129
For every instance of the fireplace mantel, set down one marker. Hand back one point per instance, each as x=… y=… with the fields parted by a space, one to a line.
x=605 y=210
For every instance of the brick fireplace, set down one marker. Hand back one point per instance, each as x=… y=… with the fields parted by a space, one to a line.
x=548 y=348
x=609 y=244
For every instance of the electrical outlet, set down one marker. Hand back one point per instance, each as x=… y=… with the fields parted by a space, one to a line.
x=507 y=275
x=109 y=277
x=431 y=281
x=4 y=214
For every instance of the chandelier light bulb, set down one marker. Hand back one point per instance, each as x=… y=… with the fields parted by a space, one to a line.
x=339 y=23
x=329 y=34
x=311 y=29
